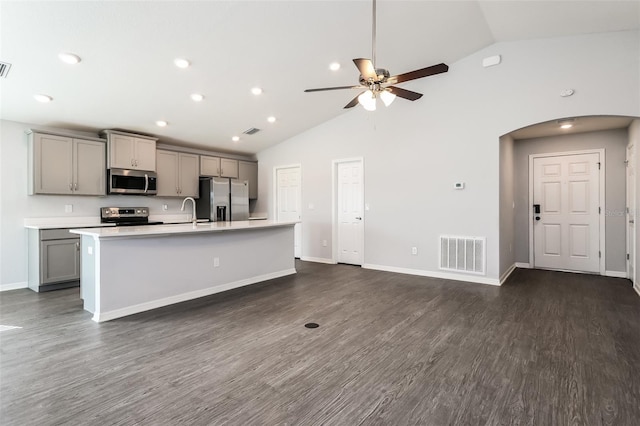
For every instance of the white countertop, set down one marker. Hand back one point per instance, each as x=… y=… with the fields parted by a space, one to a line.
x=182 y=228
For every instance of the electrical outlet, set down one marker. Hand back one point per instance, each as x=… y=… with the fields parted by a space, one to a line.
x=216 y=262
x=414 y=250
x=68 y=208
x=311 y=206
x=324 y=243
x=89 y=250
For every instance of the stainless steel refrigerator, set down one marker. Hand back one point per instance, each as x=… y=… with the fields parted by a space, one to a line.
x=223 y=199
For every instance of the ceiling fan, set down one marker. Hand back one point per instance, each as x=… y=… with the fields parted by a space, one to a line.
x=378 y=82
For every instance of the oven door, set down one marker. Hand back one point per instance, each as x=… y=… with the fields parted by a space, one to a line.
x=136 y=182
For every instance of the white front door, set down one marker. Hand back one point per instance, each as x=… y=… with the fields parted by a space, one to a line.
x=349 y=209
x=567 y=228
x=631 y=212
x=288 y=200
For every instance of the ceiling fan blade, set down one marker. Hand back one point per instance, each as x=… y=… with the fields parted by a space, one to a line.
x=365 y=66
x=353 y=102
x=333 y=88
x=424 y=72
x=404 y=93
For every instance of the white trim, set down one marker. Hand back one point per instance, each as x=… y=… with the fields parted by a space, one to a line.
x=318 y=260
x=615 y=274
x=601 y=199
x=334 y=205
x=523 y=265
x=14 y=286
x=636 y=287
x=507 y=273
x=142 y=307
x=432 y=274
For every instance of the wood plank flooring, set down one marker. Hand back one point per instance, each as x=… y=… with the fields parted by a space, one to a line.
x=547 y=348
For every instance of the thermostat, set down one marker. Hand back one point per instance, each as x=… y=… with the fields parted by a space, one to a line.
x=458 y=185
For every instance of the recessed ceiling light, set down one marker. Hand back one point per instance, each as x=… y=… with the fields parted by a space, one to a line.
x=182 y=63
x=271 y=119
x=566 y=123
x=334 y=66
x=566 y=126
x=235 y=138
x=197 y=97
x=161 y=123
x=69 y=58
x=256 y=91
x=43 y=98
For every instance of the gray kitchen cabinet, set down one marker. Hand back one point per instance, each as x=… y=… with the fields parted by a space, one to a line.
x=209 y=166
x=54 y=259
x=248 y=170
x=130 y=151
x=66 y=165
x=178 y=174
x=229 y=168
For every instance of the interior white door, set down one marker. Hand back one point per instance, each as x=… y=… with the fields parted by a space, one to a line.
x=566 y=230
x=350 y=224
x=631 y=212
x=288 y=200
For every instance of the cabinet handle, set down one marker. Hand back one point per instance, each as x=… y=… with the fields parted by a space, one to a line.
x=132 y=162
x=75 y=186
x=221 y=172
x=70 y=187
x=218 y=171
x=78 y=245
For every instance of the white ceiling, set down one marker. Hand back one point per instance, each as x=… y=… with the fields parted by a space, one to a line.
x=127 y=79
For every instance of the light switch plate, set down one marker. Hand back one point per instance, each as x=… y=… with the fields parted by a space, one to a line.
x=68 y=208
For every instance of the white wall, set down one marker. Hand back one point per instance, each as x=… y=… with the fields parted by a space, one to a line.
x=414 y=152
x=614 y=142
x=15 y=204
x=507 y=210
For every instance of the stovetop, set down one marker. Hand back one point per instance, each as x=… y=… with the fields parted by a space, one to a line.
x=126 y=216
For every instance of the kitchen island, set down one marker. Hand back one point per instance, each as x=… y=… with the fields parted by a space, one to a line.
x=126 y=270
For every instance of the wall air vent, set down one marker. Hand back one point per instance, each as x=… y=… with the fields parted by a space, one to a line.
x=4 y=69
x=463 y=254
x=251 y=131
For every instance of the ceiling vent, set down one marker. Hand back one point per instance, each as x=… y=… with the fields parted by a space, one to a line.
x=4 y=69
x=251 y=131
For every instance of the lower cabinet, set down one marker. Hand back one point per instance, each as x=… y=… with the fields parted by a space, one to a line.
x=178 y=174
x=54 y=259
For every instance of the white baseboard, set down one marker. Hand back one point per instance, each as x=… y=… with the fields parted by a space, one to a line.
x=432 y=274
x=636 y=287
x=318 y=260
x=507 y=273
x=147 y=306
x=523 y=265
x=615 y=274
x=14 y=286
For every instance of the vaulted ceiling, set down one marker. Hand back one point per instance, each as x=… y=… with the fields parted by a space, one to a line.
x=127 y=78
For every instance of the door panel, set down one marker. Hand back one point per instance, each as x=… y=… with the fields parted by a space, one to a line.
x=288 y=201
x=350 y=226
x=90 y=167
x=567 y=234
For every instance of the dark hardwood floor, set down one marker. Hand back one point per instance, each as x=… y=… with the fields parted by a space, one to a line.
x=547 y=348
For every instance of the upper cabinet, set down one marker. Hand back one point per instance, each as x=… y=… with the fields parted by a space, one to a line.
x=229 y=168
x=248 y=170
x=66 y=165
x=130 y=151
x=209 y=166
x=178 y=174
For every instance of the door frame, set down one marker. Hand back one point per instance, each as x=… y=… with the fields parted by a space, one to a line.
x=334 y=205
x=601 y=201
x=275 y=195
x=630 y=208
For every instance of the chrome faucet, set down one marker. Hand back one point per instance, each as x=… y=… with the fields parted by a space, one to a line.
x=194 y=219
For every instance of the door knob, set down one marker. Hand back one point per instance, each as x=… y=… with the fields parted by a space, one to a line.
x=537 y=217
x=358 y=218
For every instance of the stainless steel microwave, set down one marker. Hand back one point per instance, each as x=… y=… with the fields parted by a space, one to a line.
x=138 y=182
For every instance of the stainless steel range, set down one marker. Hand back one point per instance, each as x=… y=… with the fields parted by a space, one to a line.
x=126 y=216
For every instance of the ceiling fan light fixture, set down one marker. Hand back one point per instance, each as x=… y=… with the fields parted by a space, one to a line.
x=368 y=100
x=387 y=97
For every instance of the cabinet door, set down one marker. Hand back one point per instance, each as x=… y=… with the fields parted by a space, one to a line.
x=167 y=163
x=189 y=175
x=228 y=168
x=53 y=168
x=145 y=155
x=60 y=260
x=209 y=166
x=248 y=170
x=121 y=151
x=89 y=167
